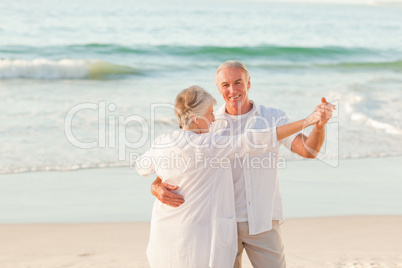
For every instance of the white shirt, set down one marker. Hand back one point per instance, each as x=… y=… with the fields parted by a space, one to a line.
x=239 y=124
x=202 y=232
x=260 y=173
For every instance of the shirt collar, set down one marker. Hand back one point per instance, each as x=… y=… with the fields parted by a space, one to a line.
x=221 y=111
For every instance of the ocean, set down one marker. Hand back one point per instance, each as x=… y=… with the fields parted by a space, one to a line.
x=88 y=84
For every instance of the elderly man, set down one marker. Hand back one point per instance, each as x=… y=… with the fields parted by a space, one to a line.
x=258 y=198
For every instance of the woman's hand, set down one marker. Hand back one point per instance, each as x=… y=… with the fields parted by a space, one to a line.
x=326 y=110
x=321 y=114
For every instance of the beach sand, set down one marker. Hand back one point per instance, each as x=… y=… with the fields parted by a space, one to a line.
x=350 y=241
x=91 y=218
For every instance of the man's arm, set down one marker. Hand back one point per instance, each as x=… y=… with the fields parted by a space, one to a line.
x=164 y=193
x=309 y=147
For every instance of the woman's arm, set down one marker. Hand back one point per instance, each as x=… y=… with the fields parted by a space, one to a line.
x=257 y=141
x=145 y=164
x=285 y=131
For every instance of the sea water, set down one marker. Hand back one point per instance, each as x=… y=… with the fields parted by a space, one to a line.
x=120 y=64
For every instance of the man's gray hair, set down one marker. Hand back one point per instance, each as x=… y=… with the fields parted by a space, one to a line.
x=192 y=101
x=232 y=64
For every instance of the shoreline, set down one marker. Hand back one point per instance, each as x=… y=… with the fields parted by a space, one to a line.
x=345 y=241
x=126 y=166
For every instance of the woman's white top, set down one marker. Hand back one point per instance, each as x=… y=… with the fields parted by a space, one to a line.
x=202 y=232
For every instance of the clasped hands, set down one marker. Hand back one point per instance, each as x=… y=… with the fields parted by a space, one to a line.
x=321 y=114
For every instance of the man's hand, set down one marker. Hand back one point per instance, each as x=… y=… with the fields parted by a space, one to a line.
x=164 y=193
x=309 y=147
x=326 y=110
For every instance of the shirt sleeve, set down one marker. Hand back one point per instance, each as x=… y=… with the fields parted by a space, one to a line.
x=145 y=164
x=251 y=142
x=283 y=119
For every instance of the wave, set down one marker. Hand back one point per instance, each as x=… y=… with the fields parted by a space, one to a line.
x=347 y=66
x=392 y=65
x=45 y=64
x=283 y=52
x=213 y=51
x=62 y=69
x=388 y=128
x=97 y=69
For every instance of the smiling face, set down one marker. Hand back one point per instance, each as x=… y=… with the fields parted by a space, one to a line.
x=233 y=84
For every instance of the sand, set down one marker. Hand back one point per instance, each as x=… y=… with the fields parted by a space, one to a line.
x=349 y=241
x=58 y=219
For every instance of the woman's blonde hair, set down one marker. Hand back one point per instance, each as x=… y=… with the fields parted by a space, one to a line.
x=192 y=101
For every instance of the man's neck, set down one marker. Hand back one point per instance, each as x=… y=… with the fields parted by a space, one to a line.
x=239 y=109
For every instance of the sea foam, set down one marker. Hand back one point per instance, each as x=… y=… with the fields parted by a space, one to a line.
x=61 y=69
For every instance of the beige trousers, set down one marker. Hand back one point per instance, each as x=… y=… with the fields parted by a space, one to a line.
x=264 y=250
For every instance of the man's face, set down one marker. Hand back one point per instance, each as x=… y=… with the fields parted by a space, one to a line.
x=233 y=84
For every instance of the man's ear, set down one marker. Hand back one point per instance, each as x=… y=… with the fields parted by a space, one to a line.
x=248 y=83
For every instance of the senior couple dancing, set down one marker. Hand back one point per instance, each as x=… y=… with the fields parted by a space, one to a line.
x=219 y=197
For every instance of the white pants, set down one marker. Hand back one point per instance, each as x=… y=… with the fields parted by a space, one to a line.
x=264 y=250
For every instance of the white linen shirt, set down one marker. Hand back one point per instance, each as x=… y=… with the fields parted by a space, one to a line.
x=263 y=196
x=202 y=232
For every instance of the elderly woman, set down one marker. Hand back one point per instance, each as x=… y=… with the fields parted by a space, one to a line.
x=201 y=232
